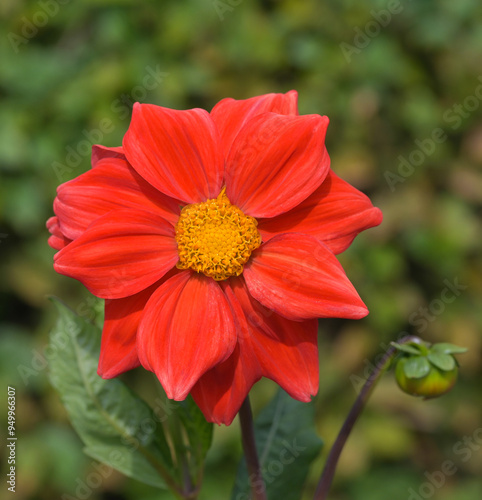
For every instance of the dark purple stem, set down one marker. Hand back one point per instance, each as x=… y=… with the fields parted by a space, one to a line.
x=332 y=461
x=249 y=446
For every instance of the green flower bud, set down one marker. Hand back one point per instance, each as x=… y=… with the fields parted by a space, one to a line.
x=435 y=383
x=425 y=370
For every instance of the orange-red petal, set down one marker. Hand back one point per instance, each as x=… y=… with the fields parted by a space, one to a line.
x=118 y=349
x=100 y=152
x=298 y=277
x=220 y=392
x=113 y=184
x=335 y=213
x=230 y=115
x=187 y=328
x=57 y=239
x=268 y=345
x=276 y=162
x=286 y=350
x=120 y=254
x=178 y=152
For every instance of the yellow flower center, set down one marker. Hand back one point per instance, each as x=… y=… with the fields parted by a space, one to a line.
x=215 y=238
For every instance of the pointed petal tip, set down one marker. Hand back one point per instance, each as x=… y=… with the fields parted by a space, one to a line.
x=305 y=398
x=52 y=222
x=323 y=122
x=136 y=108
x=100 y=152
x=175 y=392
x=357 y=310
x=227 y=420
x=377 y=216
x=299 y=278
x=293 y=94
x=221 y=417
x=110 y=372
x=106 y=375
x=363 y=312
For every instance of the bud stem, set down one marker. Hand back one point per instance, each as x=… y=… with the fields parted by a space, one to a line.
x=326 y=479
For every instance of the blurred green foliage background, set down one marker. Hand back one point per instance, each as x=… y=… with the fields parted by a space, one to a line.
x=389 y=75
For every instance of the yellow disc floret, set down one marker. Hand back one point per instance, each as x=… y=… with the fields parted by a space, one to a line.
x=215 y=238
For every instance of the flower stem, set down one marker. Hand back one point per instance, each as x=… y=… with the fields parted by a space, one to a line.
x=332 y=461
x=249 y=447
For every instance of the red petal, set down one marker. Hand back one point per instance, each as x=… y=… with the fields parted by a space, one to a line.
x=112 y=184
x=298 y=277
x=118 y=350
x=286 y=350
x=178 y=152
x=120 y=254
x=335 y=213
x=220 y=392
x=231 y=115
x=276 y=162
x=57 y=240
x=187 y=328
x=268 y=345
x=101 y=152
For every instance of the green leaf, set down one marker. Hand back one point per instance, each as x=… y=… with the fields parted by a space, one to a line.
x=445 y=362
x=287 y=444
x=416 y=367
x=109 y=418
x=409 y=349
x=199 y=433
x=446 y=348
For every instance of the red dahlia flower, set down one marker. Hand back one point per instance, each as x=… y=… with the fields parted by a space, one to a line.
x=213 y=238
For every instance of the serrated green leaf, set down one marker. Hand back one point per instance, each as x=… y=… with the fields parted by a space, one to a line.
x=287 y=444
x=446 y=348
x=445 y=362
x=406 y=348
x=416 y=367
x=108 y=417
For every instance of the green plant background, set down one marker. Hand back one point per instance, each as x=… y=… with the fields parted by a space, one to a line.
x=381 y=98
